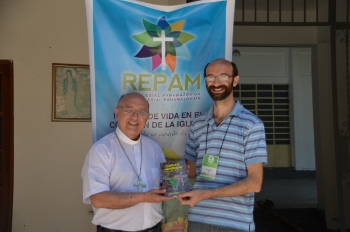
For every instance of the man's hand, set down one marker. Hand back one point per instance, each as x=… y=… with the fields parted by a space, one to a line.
x=191 y=198
x=191 y=169
x=156 y=196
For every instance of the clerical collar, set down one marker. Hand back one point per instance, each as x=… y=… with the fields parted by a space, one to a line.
x=125 y=138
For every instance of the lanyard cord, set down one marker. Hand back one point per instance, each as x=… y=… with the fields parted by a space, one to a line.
x=134 y=168
x=222 y=142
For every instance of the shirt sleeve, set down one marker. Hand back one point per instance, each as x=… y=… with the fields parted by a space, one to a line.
x=95 y=174
x=255 y=144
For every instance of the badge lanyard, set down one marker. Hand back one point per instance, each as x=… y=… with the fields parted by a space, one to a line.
x=222 y=142
x=210 y=162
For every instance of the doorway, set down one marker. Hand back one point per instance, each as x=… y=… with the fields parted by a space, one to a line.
x=276 y=85
x=6 y=144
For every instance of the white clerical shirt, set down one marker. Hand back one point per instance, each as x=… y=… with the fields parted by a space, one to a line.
x=107 y=168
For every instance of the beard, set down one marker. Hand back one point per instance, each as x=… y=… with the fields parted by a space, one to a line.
x=219 y=96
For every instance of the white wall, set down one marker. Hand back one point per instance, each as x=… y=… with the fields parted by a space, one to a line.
x=263 y=65
x=48 y=156
x=302 y=109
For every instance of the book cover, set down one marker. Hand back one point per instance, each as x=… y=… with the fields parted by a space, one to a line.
x=175 y=179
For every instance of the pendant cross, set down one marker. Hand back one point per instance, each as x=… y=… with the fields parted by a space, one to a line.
x=139 y=185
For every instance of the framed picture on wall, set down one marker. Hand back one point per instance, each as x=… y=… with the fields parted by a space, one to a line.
x=71 y=95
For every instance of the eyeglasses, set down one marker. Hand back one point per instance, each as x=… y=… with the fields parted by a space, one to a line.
x=131 y=111
x=222 y=78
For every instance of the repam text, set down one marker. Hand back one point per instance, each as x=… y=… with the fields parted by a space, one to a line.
x=151 y=82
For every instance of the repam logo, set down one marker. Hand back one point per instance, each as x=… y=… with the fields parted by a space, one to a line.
x=163 y=42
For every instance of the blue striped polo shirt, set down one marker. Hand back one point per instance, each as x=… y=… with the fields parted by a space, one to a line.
x=238 y=141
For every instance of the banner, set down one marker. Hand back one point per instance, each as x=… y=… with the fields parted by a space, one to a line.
x=160 y=52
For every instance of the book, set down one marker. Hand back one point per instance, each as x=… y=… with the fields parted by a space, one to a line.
x=175 y=178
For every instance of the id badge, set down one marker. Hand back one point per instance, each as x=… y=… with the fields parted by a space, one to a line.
x=209 y=166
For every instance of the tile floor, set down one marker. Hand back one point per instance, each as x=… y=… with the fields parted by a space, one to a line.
x=289 y=193
x=294 y=195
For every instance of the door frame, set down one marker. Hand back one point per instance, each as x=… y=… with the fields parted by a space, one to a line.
x=7 y=146
x=341 y=35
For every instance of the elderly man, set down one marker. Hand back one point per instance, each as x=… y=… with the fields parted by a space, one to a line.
x=225 y=152
x=121 y=173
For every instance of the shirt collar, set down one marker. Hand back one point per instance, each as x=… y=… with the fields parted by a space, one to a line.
x=125 y=138
x=237 y=108
x=235 y=111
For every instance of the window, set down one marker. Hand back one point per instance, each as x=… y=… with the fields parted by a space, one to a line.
x=270 y=102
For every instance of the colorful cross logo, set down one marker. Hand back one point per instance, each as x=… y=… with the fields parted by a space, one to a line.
x=163 y=43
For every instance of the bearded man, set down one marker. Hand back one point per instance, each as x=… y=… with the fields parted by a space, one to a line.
x=225 y=153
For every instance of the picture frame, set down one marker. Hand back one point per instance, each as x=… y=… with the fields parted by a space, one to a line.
x=71 y=94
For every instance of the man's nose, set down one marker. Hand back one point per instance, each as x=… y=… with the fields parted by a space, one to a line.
x=135 y=114
x=216 y=81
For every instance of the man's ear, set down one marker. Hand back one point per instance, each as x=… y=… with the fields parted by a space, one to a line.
x=235 y=80
x=116 y=112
